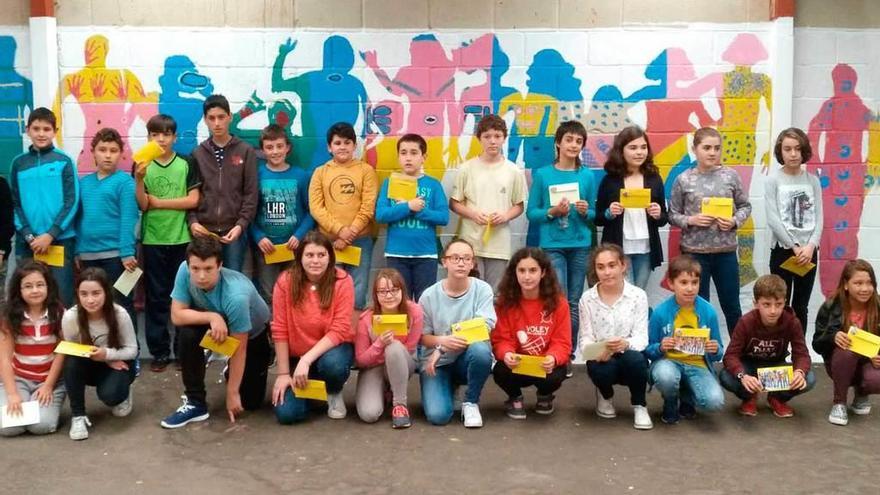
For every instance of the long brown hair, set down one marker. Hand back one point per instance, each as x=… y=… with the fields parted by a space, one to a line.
x=108 y=310
x=872 y=313
x=396 y=280
x=15 y=307
x=298 y=278
x=509 y=290
x=616 y=164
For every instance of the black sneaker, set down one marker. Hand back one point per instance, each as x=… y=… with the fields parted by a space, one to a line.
x=159 y=364
x=514 y=408
x=569 y=370
x=545 y=405
x=670 y=413
x=687 y=410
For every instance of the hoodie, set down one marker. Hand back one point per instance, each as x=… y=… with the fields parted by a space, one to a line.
x=230 y=190
x=752 y=341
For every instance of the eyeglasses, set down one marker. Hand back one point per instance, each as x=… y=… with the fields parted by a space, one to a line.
x=388 y=292
x=455 y=259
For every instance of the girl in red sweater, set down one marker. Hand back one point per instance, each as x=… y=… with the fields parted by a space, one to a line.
x=533 y=320
x=312 y=305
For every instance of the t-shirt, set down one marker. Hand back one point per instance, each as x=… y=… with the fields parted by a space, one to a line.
x=441 y=311
x=489 y=187
x=175 y=180
x=794 y=209
x=234 y=297
x=686 y=318
x=283 y=208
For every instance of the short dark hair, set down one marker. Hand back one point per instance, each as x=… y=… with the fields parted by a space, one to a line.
x=343 y=130
x=107 y=135
x=272 y=132
x=684 y=263
x=770 y=286
x=799 y=136
x=215 y=101
x=162 y=124
x=413 y=138
x=205 y=248
x=491 y=122
x=44 y=114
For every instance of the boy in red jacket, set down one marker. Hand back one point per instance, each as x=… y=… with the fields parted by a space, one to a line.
x=761 y=339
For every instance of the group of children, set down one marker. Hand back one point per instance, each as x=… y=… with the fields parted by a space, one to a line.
x=517 y=315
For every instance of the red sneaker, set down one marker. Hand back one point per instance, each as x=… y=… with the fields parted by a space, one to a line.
x=400 y=417
x=780 y=409
x=749 y=407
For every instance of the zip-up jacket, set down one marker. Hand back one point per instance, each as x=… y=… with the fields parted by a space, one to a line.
x=45 y=193
x=230 y=190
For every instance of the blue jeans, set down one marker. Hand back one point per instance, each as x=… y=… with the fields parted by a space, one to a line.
x=113 y=268
x=472 y=368
x=723 y=268
x=63 y=274
x=333 y=367
x=639 y=269
x=418 y=273
x=571 y=270
x=361 y=274
x=733 y=384
x=233 y=254
x=694 y=385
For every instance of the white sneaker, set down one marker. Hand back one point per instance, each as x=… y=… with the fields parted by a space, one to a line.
x=470 y=413
x=604 y=407
x=641 y=418
x=336 y=406
x=79 y=427
x=123 y=409
x=861 y=405
x=457 y=394
x=838 y=415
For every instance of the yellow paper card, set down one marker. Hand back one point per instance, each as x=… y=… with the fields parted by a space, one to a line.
x=351 y=255
x=315 y=390
x=865 y=343
x=635 y=198
x=530 y=366
x=395 y=323
x=474 y=330
x=74 y=349
x=792 y=265
x=282 y=254
x=718 y=207
x=776 y=378
x=227 y=348
x=691 y=340
x=402 y=187
x=147 y=153
x=487 y=233
x=570 y=191
x=54 y=257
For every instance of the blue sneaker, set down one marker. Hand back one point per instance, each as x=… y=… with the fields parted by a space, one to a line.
x=670 y=412
x=186 y=413
x=687 y=410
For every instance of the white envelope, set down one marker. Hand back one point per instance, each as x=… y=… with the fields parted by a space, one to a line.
x=126 y=282
x=30 y=415
x=593 y=351
x=571 y=191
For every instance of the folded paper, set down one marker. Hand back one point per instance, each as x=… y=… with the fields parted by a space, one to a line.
x=402 y=187
x=475 y=330
x=718 y=207
x=394 y=323
x=126 y=282
x=530 y=366
x=227 y=347
x=351 y=255
x=30 y=415
x=791 y=264
x=75 y=349
x=53 y=257
x=570 y=191
x=315 y=390
x=282 y=254
x=865 y=343
x=635 y=198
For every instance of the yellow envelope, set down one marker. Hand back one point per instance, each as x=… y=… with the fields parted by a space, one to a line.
x=776 y=378
x=55 y=256
x=635 y=198
x=227 y=348
x=351 y=255
x=792 y=265
x=530 y=366
x=282 y=254
x=402 y=187
x=395 y=323
x=147 y=153
x=691 y=340
x=865 y=343
x=718 y=207
x=74 y=349
x=558 y=192
x=315 y=390
x=475 y=330
x=487 y=233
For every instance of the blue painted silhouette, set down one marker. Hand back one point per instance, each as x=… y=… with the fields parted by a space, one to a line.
x=16 y=97
x=184 y=90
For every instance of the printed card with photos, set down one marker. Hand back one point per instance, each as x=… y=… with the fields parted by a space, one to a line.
x=776 y=378
x=691 y=340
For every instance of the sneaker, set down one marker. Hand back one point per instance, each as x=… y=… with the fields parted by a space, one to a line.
x=641 y=418
x=687 y=410
x=186 y=413
x=336 y=406
x=838 y=415
x=861 y=405
x=780 y=409
x=604 y=407
x=79 y=427
x=137 y=367
x=569 y=370
x=670 y=412
x=514 y=408
x=457 y=401
x=400 y=417
x=470 y=413
x=545 y=405
x=123 y=409
x=159 y=364
x=749 y=407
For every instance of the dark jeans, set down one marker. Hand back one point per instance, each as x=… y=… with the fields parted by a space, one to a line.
x=418 y=273
x=512 y=383
x=63 y=274
x=798 y=289
x=114 y=268
x=723 y=268
x=732 y=384
x=160 y=268
x=629 y=369
x=333 y=367
x=192 y=362
x=112 y=385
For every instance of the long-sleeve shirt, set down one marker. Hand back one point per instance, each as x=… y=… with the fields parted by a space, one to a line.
x=342 y=195
x=99 y=331
x=626 y=318
x=442 y=310
x=573 y=231
x=413 y=234
x=663 y=322
x=229 y=191
x=33 y=350
x=686 y=200
x=283 y=209
x=368 y=348
x=752 y=341
x=45 y=193
x=794 y=209
x=304 y=325
x=106 y=225
x=527 y=329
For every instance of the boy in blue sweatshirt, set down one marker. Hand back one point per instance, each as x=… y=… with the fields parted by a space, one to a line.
x=106 y=226
x=283 y=209
x=687 y=381
x=411 y=240
x=45 y=198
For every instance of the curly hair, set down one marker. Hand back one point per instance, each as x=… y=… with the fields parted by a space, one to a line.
x=15 y=308
x=509 y=290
